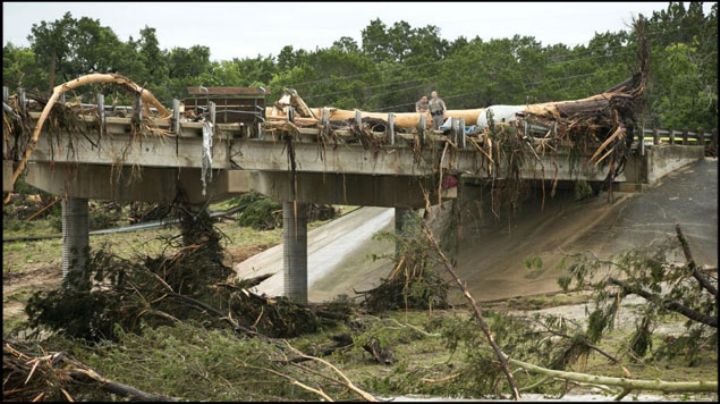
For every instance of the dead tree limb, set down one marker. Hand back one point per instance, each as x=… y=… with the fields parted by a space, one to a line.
x=97 y=78
x=699 y=276
x=625 y=383
x=582 y=340
x=668 y=304
x=118 y=388
x=478 y=314
x=295 y=382
x=346 y=381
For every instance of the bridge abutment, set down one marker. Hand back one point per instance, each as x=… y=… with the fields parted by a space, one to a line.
x=76 y=240
x=295 y=251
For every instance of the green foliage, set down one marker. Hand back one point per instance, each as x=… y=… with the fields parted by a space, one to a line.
x=413 y=283
x=394 y=64
x=258 y=211
x=533 y=263
x=583 y=190
x=649 y=272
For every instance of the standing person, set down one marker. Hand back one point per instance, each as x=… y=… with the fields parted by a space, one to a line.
x=437 y=108
x=422 y=105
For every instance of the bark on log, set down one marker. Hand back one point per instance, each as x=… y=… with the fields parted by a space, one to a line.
x=409 y=120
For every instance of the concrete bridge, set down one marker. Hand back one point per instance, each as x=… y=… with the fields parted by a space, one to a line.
x=112 y=161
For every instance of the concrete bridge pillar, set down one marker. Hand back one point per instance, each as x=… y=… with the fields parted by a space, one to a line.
x=295 y=251
x=76 y=241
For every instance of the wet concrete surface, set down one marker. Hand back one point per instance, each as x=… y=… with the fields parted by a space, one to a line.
x=328 y=247
x=492 y=252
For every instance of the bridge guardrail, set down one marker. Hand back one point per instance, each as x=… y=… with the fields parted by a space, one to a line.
x=658 y=136
x=650 y=136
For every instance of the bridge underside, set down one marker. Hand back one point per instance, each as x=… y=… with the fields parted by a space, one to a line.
x=121 y=167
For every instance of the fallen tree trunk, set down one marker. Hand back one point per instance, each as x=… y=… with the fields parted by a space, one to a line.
x=97 y=78
x=596 y=104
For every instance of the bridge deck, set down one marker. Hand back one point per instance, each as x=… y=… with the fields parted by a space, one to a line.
x=343 y=155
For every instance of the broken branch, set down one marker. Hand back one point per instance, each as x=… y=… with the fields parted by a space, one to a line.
x=478 y=314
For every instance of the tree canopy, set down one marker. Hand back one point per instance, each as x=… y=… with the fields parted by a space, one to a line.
x=395 y=64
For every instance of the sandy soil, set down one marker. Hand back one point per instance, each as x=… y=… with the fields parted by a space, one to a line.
x=40 y=276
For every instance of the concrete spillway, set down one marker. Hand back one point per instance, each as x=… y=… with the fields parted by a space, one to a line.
x=492 y=252
x=328 y=247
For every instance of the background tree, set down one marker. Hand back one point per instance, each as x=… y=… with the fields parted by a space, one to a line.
x=394 y=65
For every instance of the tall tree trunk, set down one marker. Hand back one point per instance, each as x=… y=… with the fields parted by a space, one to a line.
x=53 y=68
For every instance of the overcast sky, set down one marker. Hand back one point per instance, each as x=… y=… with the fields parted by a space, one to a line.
x=248 y=29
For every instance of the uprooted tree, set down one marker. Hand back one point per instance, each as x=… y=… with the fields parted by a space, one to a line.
x=667 y=287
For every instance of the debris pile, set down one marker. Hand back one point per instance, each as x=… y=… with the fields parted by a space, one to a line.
x=190 y=284
x=413 y=283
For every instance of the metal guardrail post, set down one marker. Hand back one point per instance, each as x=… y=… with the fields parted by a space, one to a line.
x=175 y=117
x=391 y=128
x=641 y=139
x=700 y=137
x=212 y=112
x=685 y=137
x=656 y=136
x=454 y=128
x=101 y=112
x=325 y=120
x=715 y=141
x=138 y=110
x=291 y=114
x=672 y=136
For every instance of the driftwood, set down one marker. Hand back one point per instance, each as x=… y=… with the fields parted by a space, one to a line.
x=116 y=79
x=53 y=372
x=502 y=357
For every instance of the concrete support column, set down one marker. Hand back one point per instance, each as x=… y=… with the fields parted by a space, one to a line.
x=76 y=241
x=295 y=251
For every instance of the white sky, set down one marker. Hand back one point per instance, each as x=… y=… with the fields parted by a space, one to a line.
x=248 y=29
